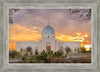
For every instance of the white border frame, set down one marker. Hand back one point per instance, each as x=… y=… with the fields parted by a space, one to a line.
x=7 y=65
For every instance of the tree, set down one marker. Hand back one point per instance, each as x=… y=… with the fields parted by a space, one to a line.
x=12 y=53
x=11 y=12
x=82 y=49
x=61 y=50
x=82 y=13
x=43 y=55
x=78 y=49
x=67 y=49
x=29 y=49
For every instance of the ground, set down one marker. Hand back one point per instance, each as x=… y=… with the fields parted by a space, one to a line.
x=74 y=57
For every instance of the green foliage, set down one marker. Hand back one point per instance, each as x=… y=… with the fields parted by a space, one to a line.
x=43 y=57
x=36 y=53
x=82 y=50
x=78 y=49
x=29 y=50
x=13 y=53
x=49 y=52
x=57 y=54
x=25 y=57
x=67 y=49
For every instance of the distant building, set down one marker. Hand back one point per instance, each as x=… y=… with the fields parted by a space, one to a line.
x=48 y=42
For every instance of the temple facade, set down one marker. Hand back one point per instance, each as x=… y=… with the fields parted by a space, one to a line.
x=48 y=42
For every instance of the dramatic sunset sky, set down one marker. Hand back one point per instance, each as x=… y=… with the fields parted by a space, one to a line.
x=28 y=25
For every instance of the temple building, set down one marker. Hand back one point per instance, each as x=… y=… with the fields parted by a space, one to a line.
x=48 y=42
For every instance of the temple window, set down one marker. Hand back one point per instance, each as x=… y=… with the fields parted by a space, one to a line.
x=48 y=36
x=21 y=49
x=36 y=51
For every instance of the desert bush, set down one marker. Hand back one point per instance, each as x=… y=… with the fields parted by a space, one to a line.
x=43 y=57
x=25 y=57
x=82 y=50
x=67 y=49
x=57 y=54
x=78 y=49
x=51 y=59
x=13 y=53
x=29 y=50
x=36 y=53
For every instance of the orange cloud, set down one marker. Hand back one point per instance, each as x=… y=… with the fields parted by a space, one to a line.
x=75 y=37
x=22 y=33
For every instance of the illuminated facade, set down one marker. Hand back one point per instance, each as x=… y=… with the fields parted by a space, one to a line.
x=48 y=42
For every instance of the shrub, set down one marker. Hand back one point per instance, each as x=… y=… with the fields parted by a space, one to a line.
x=67 y=49
x=82 y=49
x=12 y=53
x=25 y=57
x=57 y=54
x=36 y=53
x=51 y=59
x=29 y=50
x=44 y=57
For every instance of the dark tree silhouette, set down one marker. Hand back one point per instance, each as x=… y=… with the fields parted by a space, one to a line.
x=29 y=49
x=83 y=50
x=67 y=49
x=82 y=12
x=11 y=12
x=12 y=53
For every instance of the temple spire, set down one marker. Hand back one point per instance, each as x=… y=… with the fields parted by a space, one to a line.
x=48 y=21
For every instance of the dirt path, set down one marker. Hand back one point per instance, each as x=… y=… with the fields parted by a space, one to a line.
x=14 y=61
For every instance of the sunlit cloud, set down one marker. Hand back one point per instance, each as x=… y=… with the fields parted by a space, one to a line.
x=34 y=27
x=87 y=47
x=28 y=26
x=21 y=33
x=75 y=37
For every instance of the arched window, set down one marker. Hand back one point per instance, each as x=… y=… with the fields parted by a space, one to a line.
x=21 y=49
x=36 y=51
x=48 y=36
x=75 y=49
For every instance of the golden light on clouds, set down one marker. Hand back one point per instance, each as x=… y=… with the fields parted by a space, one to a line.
x=75 y=37
x=87 y=47
x=23 y=33
x=28 y=24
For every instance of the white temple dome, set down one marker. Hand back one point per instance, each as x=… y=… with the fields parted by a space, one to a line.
x=48 y=30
